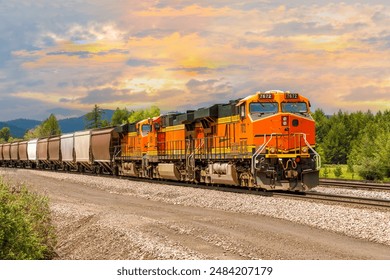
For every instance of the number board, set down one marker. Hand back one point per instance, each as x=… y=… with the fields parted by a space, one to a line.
x=291 y=95
x=266 y=96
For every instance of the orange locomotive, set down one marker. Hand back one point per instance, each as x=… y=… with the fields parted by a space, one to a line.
x=264 y=141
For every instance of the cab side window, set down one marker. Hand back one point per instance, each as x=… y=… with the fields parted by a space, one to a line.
x=242 y=111
x=145 y=129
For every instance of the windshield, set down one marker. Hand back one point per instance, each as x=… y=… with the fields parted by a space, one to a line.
x=294 y=107
x=263 y=107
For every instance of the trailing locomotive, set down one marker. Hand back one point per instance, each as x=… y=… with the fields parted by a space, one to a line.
x=263 y=141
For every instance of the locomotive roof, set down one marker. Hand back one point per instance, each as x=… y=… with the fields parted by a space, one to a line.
x=276 y=95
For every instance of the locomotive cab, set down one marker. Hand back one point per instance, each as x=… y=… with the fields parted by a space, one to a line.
x=148 y=132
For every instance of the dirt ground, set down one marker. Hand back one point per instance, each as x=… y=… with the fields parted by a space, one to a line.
x=92 y=223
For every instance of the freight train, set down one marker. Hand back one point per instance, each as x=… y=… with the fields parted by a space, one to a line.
x=264 y=141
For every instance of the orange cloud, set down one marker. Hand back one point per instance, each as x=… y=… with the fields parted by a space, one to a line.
x=188 y=11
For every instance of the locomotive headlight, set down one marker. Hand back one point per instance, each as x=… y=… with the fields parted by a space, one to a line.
x=272 y=150
x=304 y=150
x=284 y=120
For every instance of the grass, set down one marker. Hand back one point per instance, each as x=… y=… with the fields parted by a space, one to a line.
x=340 y=171
x=26 y=231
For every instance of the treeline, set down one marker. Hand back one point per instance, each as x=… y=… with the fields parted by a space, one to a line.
x=93 y=119
x=360 y=140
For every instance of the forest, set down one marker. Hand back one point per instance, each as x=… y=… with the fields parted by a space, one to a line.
x=359 y=139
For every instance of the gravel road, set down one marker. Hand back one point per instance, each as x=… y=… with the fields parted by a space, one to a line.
x=106 y=218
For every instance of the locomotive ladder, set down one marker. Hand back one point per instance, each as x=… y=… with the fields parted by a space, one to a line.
x=257 y=153
x=190 y=160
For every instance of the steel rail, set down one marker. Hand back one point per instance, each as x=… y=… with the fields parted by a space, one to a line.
x=372 y=202
x=354 y=184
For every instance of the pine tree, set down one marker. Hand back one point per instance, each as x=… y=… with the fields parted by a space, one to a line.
x=47 y=128
x=50 y=127
x=138 y=115
x=120 y=116
x=94 y=119
x=5 y=134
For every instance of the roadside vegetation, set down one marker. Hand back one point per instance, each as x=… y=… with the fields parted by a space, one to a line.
x=26 y=232
x=358 y=142
x=338 y=171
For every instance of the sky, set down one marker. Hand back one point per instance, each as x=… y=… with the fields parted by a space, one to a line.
x=63 y=57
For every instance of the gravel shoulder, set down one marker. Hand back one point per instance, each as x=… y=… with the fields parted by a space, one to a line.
x=106 y=218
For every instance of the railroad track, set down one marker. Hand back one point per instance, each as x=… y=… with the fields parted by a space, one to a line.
x=354 y=184
x=354 y=200
x=310 y=195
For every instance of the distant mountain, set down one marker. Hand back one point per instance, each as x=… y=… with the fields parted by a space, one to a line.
x=72 y=124
x=19 y=127
x=76 y=124
x=15 y=131
x=63 y=113
x=23 y=124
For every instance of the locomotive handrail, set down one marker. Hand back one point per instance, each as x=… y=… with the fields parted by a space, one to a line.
x=191 y=156
x=317 y=156
x=117 y=151
x=256 y=154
